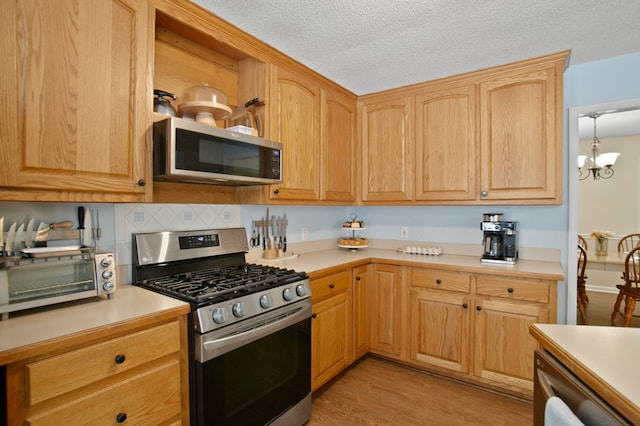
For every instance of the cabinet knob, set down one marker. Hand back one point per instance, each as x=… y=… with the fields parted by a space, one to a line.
x=313 y=316
x=358 y=278
x=484 y=193
x=438 y=281
x=478 y=308
x=120 y=358
x=510 y=290
x=276 y=191
x=121 y=417
x=332 y=285
x=142 y=182
x=464 y=305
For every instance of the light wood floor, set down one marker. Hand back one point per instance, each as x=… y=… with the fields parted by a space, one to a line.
x=377 y=392
x=600 y=307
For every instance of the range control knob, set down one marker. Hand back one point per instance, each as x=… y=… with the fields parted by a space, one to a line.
x=219 y=315
x=301 y=290
x=287 y=294
x=265 y=301
x=107 y=274
x=238 y=309
x=108 y=286
x=106 y=262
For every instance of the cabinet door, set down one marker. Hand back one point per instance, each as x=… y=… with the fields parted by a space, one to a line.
x=440 y=329
x=76 y=104
x=504 y=348
x=521 y=135
x=446 y=148
x=387 y=149
x=330 y=338
x=338 y=147
x=385 y=304
x=295 y=123
x=360 y=312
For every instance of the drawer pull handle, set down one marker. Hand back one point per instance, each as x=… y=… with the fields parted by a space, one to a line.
x=331 y=285
x=464 y=305
x=120 y=359
x=314 y=316
x=121 y=417
x=438 y=281
x=510 y=290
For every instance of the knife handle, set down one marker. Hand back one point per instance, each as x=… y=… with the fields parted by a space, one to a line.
x=64 y=224
x=80 y=217
x=284 y=244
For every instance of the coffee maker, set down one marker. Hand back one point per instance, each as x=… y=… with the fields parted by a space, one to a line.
x=499 y=239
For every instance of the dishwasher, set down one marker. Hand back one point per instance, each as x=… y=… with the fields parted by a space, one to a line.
x=552 y=378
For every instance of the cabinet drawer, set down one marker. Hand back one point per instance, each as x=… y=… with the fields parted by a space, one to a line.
x=50 y=377
x=151 y=398
x=441 y=280
x=330 y=284
x=511 y=288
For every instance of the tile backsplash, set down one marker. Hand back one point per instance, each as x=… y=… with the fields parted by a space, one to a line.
x=137 y=218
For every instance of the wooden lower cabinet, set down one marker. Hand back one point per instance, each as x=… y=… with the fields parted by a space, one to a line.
x=133 y=378
x=331 y=323
x=504 y=310
x=385 y=305
x=440 y=329
x=474 y=327
x=477 y=326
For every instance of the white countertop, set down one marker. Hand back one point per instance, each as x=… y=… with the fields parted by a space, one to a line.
x=606 y=358
x=129 y=302
x=325 y=259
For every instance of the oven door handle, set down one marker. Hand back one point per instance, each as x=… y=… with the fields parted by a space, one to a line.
x=217 y=346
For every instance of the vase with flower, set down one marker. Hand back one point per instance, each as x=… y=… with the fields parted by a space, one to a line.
x=602 y=241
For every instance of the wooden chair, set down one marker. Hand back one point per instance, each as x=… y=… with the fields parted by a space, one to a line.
x=582 y=290
x=583 y=242
x=625 y=245
x=630 y=290
x=628 y=243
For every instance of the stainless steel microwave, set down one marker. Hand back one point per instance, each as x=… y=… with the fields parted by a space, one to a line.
x=186 y=151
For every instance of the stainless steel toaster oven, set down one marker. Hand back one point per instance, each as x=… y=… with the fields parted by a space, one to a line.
x=53 y=275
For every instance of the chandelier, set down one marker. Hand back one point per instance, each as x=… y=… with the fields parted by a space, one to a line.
x=599 y=166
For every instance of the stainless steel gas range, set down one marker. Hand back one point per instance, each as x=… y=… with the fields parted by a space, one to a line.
x=250 y=337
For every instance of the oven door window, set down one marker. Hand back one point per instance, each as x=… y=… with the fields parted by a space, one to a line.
x=254 y=384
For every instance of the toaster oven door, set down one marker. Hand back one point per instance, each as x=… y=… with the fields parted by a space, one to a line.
x=39 y=282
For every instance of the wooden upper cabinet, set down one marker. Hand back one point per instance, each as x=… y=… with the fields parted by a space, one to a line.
x=386 y=136
x=295 y=122
x=338 y=147
x=521 y=135
x=446 y=148
x=76 y=106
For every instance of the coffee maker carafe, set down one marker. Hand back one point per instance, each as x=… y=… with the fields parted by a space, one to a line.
x=499 y=239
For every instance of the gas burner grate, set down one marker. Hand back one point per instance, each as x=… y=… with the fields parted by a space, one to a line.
x=224 y=283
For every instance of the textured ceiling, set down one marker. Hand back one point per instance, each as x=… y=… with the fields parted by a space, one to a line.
x=372 y=45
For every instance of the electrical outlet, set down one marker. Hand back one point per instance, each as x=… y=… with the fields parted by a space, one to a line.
x=404 y=232
x=304 y=234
